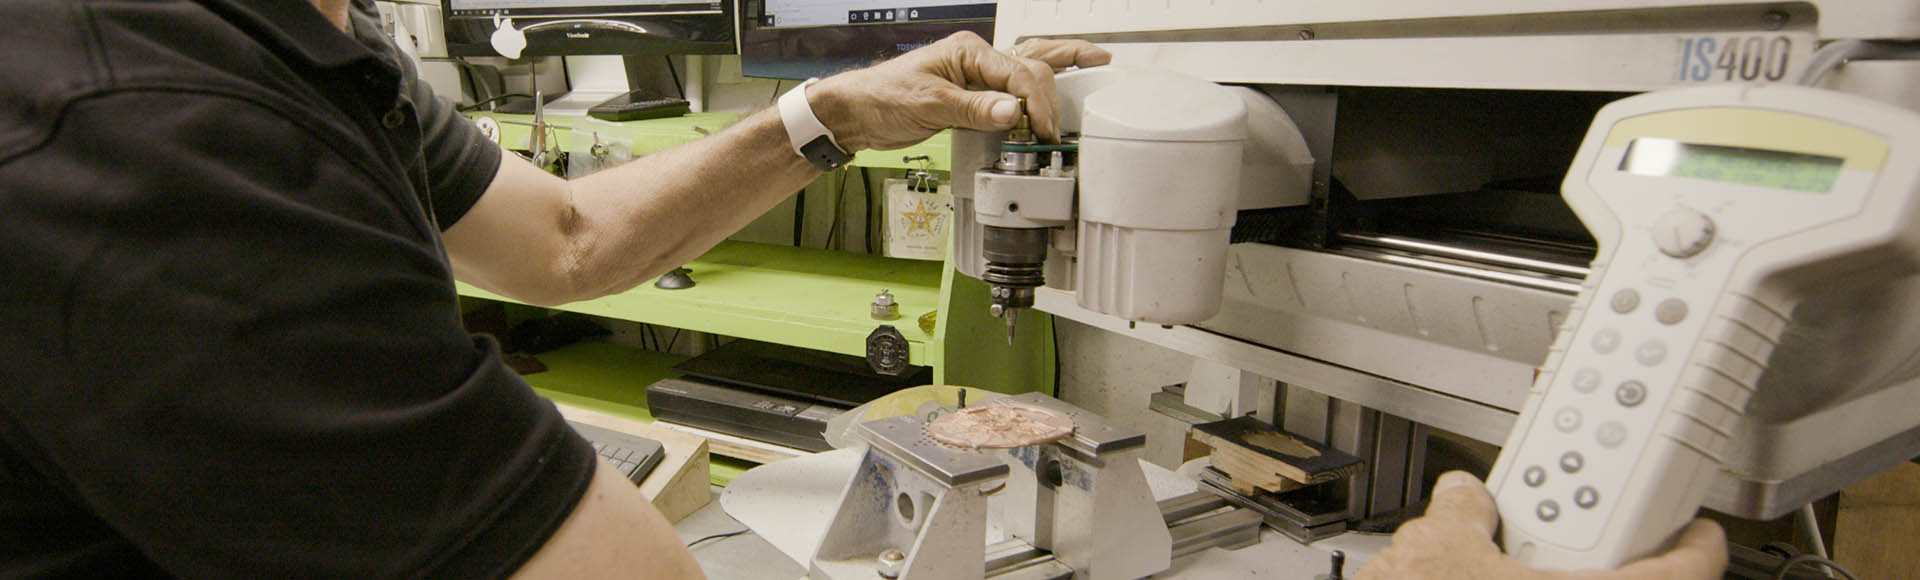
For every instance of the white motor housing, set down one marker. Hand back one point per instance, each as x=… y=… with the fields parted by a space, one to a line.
x=1159 y=184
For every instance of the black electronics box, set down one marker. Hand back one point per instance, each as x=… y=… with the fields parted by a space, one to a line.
x=742 y=412
x=640 y=104
x=799 y=373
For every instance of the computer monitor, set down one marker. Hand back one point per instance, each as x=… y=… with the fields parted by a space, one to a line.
x=588 y=27
x=801 y=39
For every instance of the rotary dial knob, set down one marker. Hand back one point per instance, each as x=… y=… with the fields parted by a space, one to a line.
x=1683 y=232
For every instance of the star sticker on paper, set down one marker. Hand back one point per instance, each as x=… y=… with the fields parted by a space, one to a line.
x=920 y=219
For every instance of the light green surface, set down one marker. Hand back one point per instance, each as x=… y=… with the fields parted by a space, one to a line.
x=648 y=136
x=976 y=352
x=653 y=135
x=938 y=149
x=723 y=470
x=803 y=297
x=603 y=377
x=612 y=379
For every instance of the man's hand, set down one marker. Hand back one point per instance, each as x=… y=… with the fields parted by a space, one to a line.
x=960 y=81
x=1455 y=540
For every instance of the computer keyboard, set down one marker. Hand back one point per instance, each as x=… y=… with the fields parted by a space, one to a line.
x=633 y=455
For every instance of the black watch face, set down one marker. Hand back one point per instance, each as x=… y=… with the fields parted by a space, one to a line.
x=822 y=153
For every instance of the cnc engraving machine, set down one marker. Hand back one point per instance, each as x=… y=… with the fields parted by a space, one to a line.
x=1663 y=251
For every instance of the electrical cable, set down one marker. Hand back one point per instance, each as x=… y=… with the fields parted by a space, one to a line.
x=866 y=185
x=1810 y=558
x=839 y=197
x=718 y=536
x=1841 y=52
x=1810 y=525
x=676 y=77
x=799 y=217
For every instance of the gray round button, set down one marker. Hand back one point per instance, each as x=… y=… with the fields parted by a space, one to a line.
x=1670 y=311
x=1572 y=461
x=1534 y=476
x=1548 y=510
x=1606 y=341
x=1586 y=380
x=1586 y=497
x=1650 y=353
x=1566 y=420
x=1626 y=300
x=1611 y=434
x=1630 y=394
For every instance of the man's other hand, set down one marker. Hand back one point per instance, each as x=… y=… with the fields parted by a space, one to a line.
x=1455 y=540
x=960 y=81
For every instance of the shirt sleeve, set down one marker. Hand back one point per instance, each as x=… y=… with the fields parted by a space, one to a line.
x=461 y=161
x=256 y=367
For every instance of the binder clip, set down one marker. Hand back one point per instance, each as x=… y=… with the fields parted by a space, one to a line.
x=922 y=179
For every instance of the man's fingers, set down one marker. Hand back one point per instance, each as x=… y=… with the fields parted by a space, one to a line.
x=1700 y=552
x=975 y=64
x=1060 y=54
x=1036 y=84
x=1459 y=497
x=977 y=110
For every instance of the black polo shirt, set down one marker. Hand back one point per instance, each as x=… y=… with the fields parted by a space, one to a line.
x=229 y=338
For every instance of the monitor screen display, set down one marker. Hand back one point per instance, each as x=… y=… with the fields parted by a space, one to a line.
x=797 y=13
x=511 y=5
x=801 y=39
x=571 y=27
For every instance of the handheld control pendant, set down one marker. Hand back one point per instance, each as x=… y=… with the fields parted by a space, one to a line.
x=1715 y=209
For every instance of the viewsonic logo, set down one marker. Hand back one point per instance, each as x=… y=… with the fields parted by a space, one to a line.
x=579 y=35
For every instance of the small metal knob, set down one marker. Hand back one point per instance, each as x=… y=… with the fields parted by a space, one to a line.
x=884 y=308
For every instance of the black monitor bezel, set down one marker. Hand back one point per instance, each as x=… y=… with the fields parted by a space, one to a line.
x=796 y=54
x=708 y=27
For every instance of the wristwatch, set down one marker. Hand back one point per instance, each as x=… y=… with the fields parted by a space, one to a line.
x=811 y=139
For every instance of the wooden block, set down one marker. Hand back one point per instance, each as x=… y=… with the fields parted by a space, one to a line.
x=1878 y=521
x=678 y=485
x=1249 y=470
x=735 y=446
x=1256 y=454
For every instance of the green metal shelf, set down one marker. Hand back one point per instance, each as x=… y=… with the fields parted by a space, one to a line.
x=654 y=135
x=818 y=299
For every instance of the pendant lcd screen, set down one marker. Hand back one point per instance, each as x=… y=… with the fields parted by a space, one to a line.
x=1799 y=172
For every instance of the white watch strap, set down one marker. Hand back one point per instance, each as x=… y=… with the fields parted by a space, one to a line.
x=802 y=126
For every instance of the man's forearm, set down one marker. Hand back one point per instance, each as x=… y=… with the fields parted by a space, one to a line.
x=539 y=239
x=543 y=240
x=646 y=217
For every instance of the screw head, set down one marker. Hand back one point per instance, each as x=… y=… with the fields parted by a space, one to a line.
x=890 y=563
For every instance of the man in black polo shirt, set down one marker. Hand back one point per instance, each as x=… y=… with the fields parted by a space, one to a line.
x=229 y=341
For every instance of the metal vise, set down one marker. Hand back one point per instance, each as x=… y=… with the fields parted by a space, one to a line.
x=917 y=509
